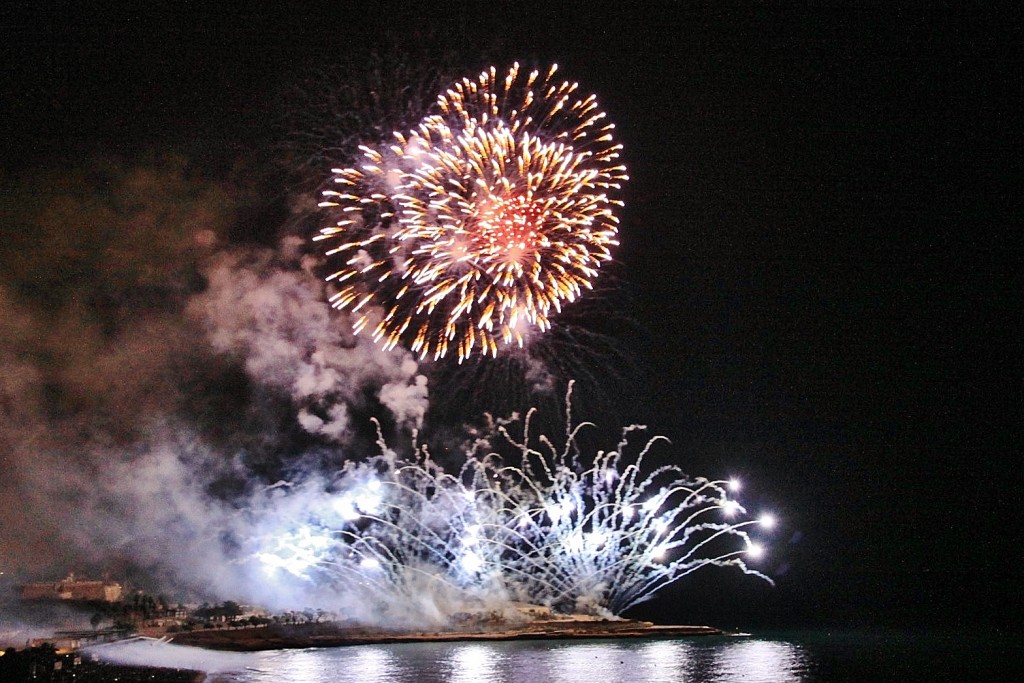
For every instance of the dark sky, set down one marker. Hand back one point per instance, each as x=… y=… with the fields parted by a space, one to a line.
x=820 y=248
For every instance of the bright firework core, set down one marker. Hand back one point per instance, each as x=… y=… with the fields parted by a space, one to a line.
x=507 y=228
x=490 y=215
x=540 y=524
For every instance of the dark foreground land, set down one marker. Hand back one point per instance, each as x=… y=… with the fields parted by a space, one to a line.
x=333 y=634
x=47 y=664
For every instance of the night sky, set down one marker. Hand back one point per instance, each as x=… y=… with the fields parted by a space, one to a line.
x=819 y=268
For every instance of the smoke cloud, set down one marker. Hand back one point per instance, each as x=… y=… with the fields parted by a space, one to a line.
x=276 y=322
x=158 y=378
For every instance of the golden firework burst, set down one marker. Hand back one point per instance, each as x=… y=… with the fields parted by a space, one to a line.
x=475 y=228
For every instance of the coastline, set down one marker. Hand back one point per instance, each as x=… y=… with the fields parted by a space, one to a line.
x=334 y=634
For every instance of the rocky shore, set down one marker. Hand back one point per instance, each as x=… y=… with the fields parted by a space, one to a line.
x=334 y=634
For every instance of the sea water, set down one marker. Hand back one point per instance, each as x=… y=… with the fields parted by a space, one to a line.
x=808 y=656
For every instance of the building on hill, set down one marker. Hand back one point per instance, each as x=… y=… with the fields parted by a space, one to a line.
x=73 y=588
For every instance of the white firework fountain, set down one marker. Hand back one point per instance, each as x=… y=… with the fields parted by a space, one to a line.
x=594 y=536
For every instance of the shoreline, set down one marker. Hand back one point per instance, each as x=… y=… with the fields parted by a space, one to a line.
x=333 y=634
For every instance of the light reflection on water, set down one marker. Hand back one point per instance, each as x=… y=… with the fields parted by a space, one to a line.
x=473 y=662
x=758 y=661
x=366 y=664
x=668 y=655
x=696 y=660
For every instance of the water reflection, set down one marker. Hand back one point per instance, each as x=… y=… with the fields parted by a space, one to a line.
x=371 y=663
x=474 y=664
x=366 y=663
x=672 y=657
x=757 y=661
x=695 y=660
x=588 y=663
x=304 y=666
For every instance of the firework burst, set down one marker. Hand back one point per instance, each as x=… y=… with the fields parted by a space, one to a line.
x=543 y=526
x=476 y=227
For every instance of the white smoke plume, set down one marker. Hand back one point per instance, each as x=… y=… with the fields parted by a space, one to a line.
x=277 y=321
x=145 y=406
